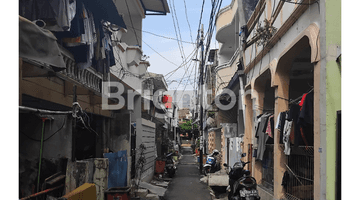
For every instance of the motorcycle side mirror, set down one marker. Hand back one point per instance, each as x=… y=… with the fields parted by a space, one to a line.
x=225 y=165
x=243 y=155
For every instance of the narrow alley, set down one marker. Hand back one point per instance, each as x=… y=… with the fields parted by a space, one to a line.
x=186 y=183
x=243 y=102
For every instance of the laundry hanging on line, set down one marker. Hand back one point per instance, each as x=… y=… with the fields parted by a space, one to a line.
x=297 y=127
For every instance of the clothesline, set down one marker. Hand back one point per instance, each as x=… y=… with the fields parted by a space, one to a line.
x=295 y=100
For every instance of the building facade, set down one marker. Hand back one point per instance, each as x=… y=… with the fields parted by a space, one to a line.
x=285 y=52
x=66 y=61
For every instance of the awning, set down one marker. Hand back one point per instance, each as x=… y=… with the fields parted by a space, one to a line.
x=104 y=10
x=155 y=7
x=38 y=44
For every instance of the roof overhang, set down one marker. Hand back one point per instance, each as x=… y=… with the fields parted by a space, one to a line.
x=127 y=87
x=155 y=7
x=104 y=10
x=158 y=80
x=234 y=83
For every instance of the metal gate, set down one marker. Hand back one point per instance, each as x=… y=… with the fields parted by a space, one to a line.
x=148 y=139
x=117 y=169
x=298 y=180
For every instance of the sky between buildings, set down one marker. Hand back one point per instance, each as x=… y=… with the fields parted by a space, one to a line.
x=164 y=25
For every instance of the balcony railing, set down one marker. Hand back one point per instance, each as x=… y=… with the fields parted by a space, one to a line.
x=88 y=77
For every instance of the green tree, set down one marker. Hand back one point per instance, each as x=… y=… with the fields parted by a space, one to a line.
x=187 y=127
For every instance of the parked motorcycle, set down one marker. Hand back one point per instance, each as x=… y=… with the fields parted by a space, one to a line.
x=241 y=184
x=211 y=164
x=170 y=165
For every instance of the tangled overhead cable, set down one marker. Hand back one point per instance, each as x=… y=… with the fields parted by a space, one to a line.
x=79 y=114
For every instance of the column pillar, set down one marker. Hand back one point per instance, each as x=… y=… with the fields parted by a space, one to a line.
x=319 y=159
x=248 y=130
x=281 y=105
x=257 y=106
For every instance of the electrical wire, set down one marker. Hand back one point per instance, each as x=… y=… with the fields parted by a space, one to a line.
x=195 y=79
x=62 y=126
x=172 y=72
x=178 y=66
x=181 y=49
x=178 y=26
x=182 y=77
x=216 y=6
x=124 y=71
x=159 y=54
x=201 y=13
x=167 y=37
x=190 y=77
x=78 y=113
x=194 y=66
x=132 y=24
x=183 y=64
x=187 y=19
x=170 y=38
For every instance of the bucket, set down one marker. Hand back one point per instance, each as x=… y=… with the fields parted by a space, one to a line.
x=116 y=193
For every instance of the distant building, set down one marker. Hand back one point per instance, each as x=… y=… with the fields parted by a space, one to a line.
x=184 y=99
x=184 y=114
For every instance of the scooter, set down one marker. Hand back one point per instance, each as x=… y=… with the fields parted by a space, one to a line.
x=211 y=164
x=170 y=165
x=242 y=186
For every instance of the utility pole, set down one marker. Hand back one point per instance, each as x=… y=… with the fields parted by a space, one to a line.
x=174 y=122
x=201 y=97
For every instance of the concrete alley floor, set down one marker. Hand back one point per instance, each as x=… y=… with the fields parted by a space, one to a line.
x=186 y=182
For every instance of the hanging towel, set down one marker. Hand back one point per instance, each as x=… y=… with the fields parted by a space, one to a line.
x=262 y=137
x=281 y=126
x=270 y=126
x=286 y=138
x=302 y=100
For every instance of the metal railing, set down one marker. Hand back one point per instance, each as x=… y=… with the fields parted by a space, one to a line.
x=299 y=181
x=267 y=180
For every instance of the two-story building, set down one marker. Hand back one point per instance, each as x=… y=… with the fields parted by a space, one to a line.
x=284 y=58
x=68 y=53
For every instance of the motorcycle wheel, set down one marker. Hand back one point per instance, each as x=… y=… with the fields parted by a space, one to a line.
x=229 y=196
x=171 y=173
x=206 y=171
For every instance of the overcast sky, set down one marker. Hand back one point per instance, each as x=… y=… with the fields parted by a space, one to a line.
x=164 y=25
